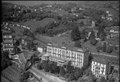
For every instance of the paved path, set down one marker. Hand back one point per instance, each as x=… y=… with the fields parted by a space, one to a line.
x=104 y=55
x=46 y=77
x=39 y=74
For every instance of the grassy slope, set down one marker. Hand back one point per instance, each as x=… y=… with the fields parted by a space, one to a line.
x=36 y=24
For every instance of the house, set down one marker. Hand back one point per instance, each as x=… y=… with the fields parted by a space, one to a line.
x=112 y=31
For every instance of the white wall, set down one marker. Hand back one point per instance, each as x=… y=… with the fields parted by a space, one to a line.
x=40 y=49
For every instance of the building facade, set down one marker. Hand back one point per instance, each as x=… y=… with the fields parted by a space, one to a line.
x=102 y=66
x=98 y=69
x=8 y=41
x=62 y=55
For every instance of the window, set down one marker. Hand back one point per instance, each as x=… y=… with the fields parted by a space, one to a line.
x=59 y=51
x=49 y=49
x=56 y=50
x=53 y=50
x=63 y=53
x=97 y=70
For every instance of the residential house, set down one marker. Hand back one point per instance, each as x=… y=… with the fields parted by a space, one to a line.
x=112 y=31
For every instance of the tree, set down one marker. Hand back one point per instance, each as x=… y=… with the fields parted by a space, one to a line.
x=81 y=80
x=34 y=58
x=24 y=76
x=112 y=80
x=78 y=44
x=5 y=61
x=62 y=71
x=17 y=43
x=109 y=49
x=40 y=30
x=101 y=33
x=84 y=34
x=27 y=65
x=39 y=66
x=54 y=68
x=99 y=48
x=28 y=33
x=78 y=73
x=103 y=79
x=103 y=36
x=93 y=41
x=45 y=66
x=69 y=68
x=104 y=47
x=75 y=34
x=90 y=59
x=71 y=77
x=16 y=50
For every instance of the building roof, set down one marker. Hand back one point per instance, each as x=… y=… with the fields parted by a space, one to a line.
x=12 y=73
x=105 y=60
x=100 y=59
x=3 y=79
x=28 y=54
x=22 y=58
x=64 y=41
x=6 y=32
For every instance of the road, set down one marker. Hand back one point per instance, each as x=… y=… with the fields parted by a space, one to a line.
x=45 y=77
x=104 y=55
x=39 y=74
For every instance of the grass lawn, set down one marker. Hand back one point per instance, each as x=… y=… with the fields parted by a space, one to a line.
x=36 y=24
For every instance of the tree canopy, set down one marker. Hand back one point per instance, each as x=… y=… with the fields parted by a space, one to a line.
x=75 y=34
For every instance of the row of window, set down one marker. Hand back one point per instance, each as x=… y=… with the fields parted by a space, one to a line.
x=69 y=53
x=7 y=36
x=7 y=41
x=67 y=57
x=75 y=57
x=8 y=49
x=74 y=63
x=6 y=45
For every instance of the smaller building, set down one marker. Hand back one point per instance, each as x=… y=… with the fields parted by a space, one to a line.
x=45 y=57
x=40 y=49
x=105 y=66
x=99 y=67
x=112 y=31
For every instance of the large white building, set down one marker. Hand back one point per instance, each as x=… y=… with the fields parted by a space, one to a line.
x=63 y=54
